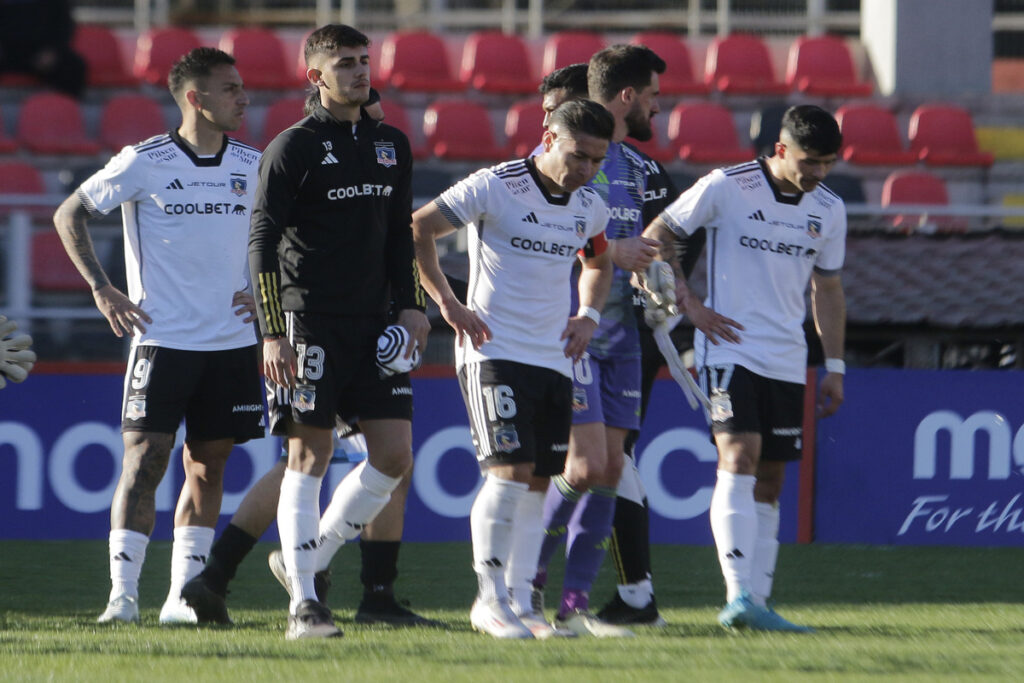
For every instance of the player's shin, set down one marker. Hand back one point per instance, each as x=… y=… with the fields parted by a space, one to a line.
x=297 y=523
x=766 y=552
x=527 y=537
x=360 y=497
x=491 y=524
x=734 y=525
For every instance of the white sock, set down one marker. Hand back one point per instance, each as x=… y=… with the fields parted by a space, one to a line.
x=527 y=537
x=766 y=552
x=188 y=556
x=734 y=525
x=490 y=523
x=298 y=516
x=360 y=497
x=637 y=594
x=127 y=553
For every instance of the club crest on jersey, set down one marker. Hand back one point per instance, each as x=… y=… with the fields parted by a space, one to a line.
x=814 y=226
x=581 y=227
x=579 y=400
x=135 y=409
x=238 y=185
x=506 y=438
x=304 y=398
x=385 y=153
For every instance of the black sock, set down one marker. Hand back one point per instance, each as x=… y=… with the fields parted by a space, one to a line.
x=226 y=554
x=380 y=565
x=630 y=543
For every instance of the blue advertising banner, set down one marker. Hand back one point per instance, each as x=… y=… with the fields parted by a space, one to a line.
x=60 y=458
x=924 y=458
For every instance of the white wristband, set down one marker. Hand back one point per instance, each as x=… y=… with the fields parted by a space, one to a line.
x=590 y=312
x=836 y=365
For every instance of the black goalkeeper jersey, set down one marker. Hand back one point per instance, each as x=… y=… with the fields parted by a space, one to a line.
x=331 y=219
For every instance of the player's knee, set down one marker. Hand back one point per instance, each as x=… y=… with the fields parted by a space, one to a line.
x=394 y=462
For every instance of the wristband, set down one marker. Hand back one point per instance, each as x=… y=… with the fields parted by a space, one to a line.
x=590 y=312
x=836 y=365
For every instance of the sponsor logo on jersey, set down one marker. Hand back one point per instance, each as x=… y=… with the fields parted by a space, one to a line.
x=386 y=155
x=329 y=159
x=196 y=209
x=239 y=210
x=401 y=391
x=585 y=198
x=814 y=226
x=630 y=393
x=364 y=190
x=175 y=185
x=543 y=247
x=162 y=155
x=248 y=156
x=749 y=182
x=206 y=183
x=757 y=216
x=135 y=409
x=772 y=246
x=530 y=218
x=239 y=184
x=622 y=213
x=247 y=408
x=506 y=438
x=654 y=195
x=559 y=448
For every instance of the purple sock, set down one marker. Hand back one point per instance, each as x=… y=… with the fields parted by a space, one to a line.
x=559 y=504
x=573 y=599
x=589 y=532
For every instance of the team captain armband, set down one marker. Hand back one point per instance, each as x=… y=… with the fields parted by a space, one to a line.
x=595 y=246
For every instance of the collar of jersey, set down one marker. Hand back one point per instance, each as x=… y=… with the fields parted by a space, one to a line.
x=781 y=198
x=196 y=159
x=552 y=199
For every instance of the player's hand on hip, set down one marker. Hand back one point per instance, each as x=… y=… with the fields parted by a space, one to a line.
x=245 y=305
x=466 y=323
x=577 y=333
x=124 y=316
x=634 y=253
x=830 y=394
x=716 y=327
x=417 y=325
x=279 y=361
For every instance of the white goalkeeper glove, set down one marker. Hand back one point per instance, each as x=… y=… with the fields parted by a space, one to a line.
x=391 y=347
x=659 y=285
x=16 y=356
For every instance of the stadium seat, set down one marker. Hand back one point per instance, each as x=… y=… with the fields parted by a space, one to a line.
x=765 y=126
x=569 y=47
x=279 y=115
x=705 y=133
x=848 y=187
x=496 y=62
x=418 y=61
x=740 y=64
x=524 y=126
x=101 y=50
x=157 y=49
x=396 y=115
x=21 y=178
x=8 y=144
x=52 y=270
x=50 y=123
x=871 y=136
x=679 y=78
x=943 y=135
x=653 y=147
x=919 y=187
x=259 y=56
x=460 y=130
x=823 y=66
x=127 y=119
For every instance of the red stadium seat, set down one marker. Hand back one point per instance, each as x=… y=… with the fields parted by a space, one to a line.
x=871 y=136
x=460 y=130
x=943 y=135
x=19 y=177
x=678 y=78
x=396 y=115
x=524 y=126
x=824 y=66
x=705 y=133
x=50 y=123
x=653 y=147
x=418 y=61
x=496 y=62
x=919 y=187
x=259 y=56
x=101 y=50
x=127 y=119
x=157 y=49
x=281 y=114
x=7 y=143
x=740 y=64
x=569 y=47
x=52 y=270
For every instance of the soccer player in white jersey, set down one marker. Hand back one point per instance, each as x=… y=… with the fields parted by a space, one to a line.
x=772 y=227
x=185 y=198
x=517 y=337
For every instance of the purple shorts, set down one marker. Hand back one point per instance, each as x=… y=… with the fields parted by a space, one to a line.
x=606 y=390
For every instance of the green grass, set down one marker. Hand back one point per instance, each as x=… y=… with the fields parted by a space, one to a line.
x=895 y=613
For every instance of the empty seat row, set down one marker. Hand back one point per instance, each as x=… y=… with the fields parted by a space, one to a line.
x=490 y=61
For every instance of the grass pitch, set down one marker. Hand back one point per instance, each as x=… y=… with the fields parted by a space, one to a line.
x=895 y=613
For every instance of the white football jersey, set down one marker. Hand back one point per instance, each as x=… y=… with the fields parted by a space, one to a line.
x=186 y=234
x=762 y=246
x=522 y=246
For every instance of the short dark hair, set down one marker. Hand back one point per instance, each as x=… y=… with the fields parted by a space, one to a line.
x=329 y=38
x=194 y=65
x=572 y=79
x=621 y=66
x=583 y=116
x=813 y=128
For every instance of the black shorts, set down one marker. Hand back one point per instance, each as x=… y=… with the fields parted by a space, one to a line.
x=218 y=393
x=518 y=413
x=338 y=375
x=755 y=404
